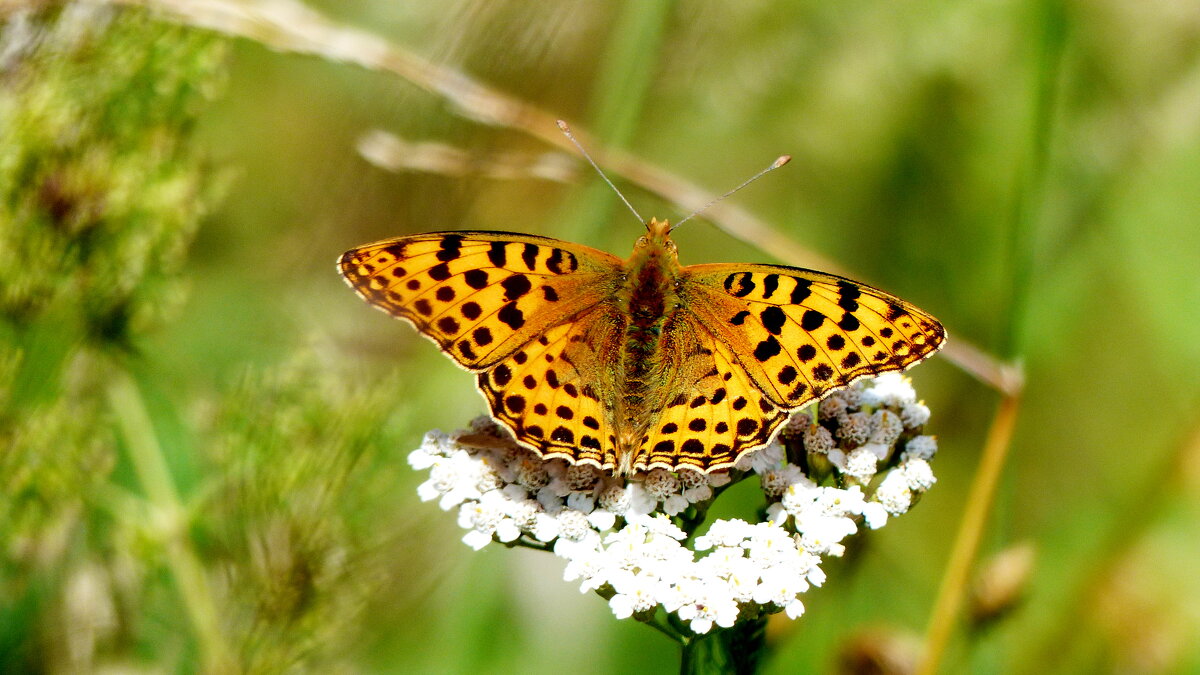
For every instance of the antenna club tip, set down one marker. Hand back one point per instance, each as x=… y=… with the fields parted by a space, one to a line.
x=783 y=159
x=563 y=125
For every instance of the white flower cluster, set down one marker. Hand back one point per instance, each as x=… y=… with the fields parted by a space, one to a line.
x=860 y=463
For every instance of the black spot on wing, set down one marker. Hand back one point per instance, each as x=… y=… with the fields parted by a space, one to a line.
x=477 y=279
x=497 y=254
x=848 y=296
x=516 y=286
x=801 y=291
x=450 y=246
x=502 y=375
x=770 y=285
x=849 y=322
x=746 y=426
x=787 y=375
x=561 y=262
x=812 y=320
x=439 y=272
x=767 y=349
x=464 y=348
x=773 y=319
x=511 y=316
x=740 y=285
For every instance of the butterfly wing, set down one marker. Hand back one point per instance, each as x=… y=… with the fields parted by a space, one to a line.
x=556 y=393
x=717 y=414
x=479 y=295
x=782 y=337
x=516 y=309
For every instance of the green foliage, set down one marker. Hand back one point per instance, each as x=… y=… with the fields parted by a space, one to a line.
x=291 y=525
x=100 y=192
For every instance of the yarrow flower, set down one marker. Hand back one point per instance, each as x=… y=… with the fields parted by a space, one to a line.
x=641 y=542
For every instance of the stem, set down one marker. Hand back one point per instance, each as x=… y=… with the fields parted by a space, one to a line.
x=526 y=542
x=738 y=649
x=146 y=455
x=662 y=625
x=970 y=531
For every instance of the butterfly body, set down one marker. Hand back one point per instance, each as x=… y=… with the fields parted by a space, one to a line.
x=642 y=363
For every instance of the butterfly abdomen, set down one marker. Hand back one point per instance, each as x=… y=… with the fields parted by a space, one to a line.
x=649 y=301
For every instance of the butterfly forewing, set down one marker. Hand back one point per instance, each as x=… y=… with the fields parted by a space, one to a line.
x=479 y=295
x=800 y=333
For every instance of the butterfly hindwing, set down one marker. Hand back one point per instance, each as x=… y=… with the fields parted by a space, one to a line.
x=548 y=393
x=800 y=334
x=714 y=420
x=479 y=295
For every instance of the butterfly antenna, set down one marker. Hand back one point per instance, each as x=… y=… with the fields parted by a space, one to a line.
x=567 y=132
x=783 y=159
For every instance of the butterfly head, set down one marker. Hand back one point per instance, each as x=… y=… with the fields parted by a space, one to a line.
x=657 y=237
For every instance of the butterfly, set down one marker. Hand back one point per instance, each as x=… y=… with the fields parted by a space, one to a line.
x=631 y=365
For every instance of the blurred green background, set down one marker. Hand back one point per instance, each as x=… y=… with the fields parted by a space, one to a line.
x=174 y=200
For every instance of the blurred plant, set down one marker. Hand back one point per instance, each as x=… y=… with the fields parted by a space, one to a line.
x=289 y=528
x=1001 y=585
x=636 y=542
x=99 y=197
x=102 y=192
x=109 y=500
x=880 y=651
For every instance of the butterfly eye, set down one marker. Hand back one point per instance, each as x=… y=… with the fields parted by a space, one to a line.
x=672 y=247
x=642 y=241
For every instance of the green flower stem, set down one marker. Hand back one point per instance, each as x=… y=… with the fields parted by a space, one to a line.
x=146 y=456
x=661 y=623
x=738 y=649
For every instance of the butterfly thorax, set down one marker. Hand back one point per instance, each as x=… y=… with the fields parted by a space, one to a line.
x=649 y=301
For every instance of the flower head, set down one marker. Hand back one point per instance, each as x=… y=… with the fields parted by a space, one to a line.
x=632 y=538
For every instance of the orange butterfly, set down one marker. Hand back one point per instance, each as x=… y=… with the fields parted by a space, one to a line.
x=637 y=364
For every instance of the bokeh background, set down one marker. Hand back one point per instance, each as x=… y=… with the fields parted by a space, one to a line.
x=203 y=427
